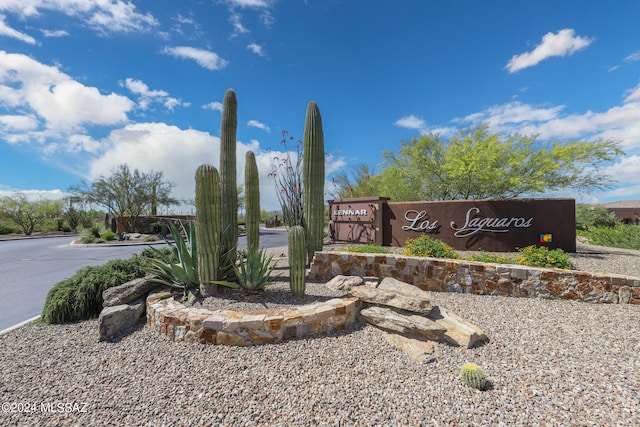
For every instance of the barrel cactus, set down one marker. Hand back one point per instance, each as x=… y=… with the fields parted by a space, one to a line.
x=297 y=259
x=252 y=201
x=208 y=226
x=313 y=179
x=473 y=376
x=228 y=188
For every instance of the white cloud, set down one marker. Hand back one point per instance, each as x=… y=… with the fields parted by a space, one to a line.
x=257 y=49
x=250 y=3
x=7 y=31
x=54 y=33
x=411 y=122
x=635 y=56
x=204 y=58
x=148 y=96
x=563 y=43
x=16 y=123
x=238 y=28
x=34 y=195
x=60 y=102
x=215 y=106
x=259 y=125
x=177 y=153
x=105 y=16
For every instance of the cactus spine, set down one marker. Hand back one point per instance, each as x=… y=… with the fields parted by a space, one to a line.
x=228 y=189
x=208 y=226
x=313 y=179
x=297 y=258
x=252 y=201
x=473 y=376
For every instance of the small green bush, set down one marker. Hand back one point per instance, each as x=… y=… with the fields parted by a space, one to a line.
x=108 y=235
x=6 y=230
x=88 y=239
x=534 y=256
x=622 y=236
x=151 y=239
x=367 y=248
x=426 y=246
x=483 y=256
x=80 y=296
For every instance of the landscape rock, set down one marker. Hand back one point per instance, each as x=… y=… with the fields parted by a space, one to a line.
x=344 y=283
x=116 y=320
x=422 y=351
x=391 y=284
x=415 y=303
x=127 y=292
x=459 y=331
x=403 y=323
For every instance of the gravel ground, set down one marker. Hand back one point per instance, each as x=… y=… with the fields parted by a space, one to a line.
x=553 y=363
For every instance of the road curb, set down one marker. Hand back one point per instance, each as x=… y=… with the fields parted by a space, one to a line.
x=16 y=326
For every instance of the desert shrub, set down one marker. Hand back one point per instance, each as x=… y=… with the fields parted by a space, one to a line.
x=79 y=297
x=589 y=217
x=367 y=248
x=426 y=246
x=88 y=239
x=483 y=256
x=535 y=256
x=108 y=235
x=622 y=236
x=151 y=239
x=6 y=230
x=95 y=230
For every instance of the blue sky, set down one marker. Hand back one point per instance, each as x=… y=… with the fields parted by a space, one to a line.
x=88 y=84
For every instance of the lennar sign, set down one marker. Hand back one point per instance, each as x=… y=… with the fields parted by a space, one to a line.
x=491 y=225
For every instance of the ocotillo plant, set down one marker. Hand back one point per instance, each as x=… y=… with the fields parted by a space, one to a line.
x=297 y=258
x=228 y=189
x=313 y=179
x=208 y=226
x=252 y=201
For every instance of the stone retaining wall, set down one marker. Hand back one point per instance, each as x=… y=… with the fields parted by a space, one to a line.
x=241 y=328
x=441 y=275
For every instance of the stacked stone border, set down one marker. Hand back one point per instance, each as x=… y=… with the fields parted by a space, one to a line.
x=432 y=274
x=241 y=328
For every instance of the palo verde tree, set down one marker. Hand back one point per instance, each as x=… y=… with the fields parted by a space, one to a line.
x=29 y=214
x=478 y=164
x=128 y=194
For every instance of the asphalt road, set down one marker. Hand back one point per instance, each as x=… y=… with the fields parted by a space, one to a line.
x=30 y=267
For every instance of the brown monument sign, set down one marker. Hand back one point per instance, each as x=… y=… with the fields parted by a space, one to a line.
x=491 y=225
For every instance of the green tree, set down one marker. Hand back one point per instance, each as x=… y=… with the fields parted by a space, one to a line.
x=478 y=164
x=362 y=183
x=26 y=214
x=128 y=194
x=589 y=217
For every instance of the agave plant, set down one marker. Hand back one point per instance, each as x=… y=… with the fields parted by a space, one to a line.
x=183 y=274
x=254 y=271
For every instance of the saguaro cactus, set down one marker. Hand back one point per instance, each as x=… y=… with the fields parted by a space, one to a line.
x=252 y=200
x=313 y=179
x=228 y=188
x=297 y=258
x=208 y=226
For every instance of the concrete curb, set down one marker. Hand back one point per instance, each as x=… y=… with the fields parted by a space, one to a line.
x=16 y=326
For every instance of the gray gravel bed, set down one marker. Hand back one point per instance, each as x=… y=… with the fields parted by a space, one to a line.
x=553 y=363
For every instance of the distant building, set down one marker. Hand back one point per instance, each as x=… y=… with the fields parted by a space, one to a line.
x=627 y=210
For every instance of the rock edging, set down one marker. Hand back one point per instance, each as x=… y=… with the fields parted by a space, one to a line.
x=440 y=275
x=243 y=328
